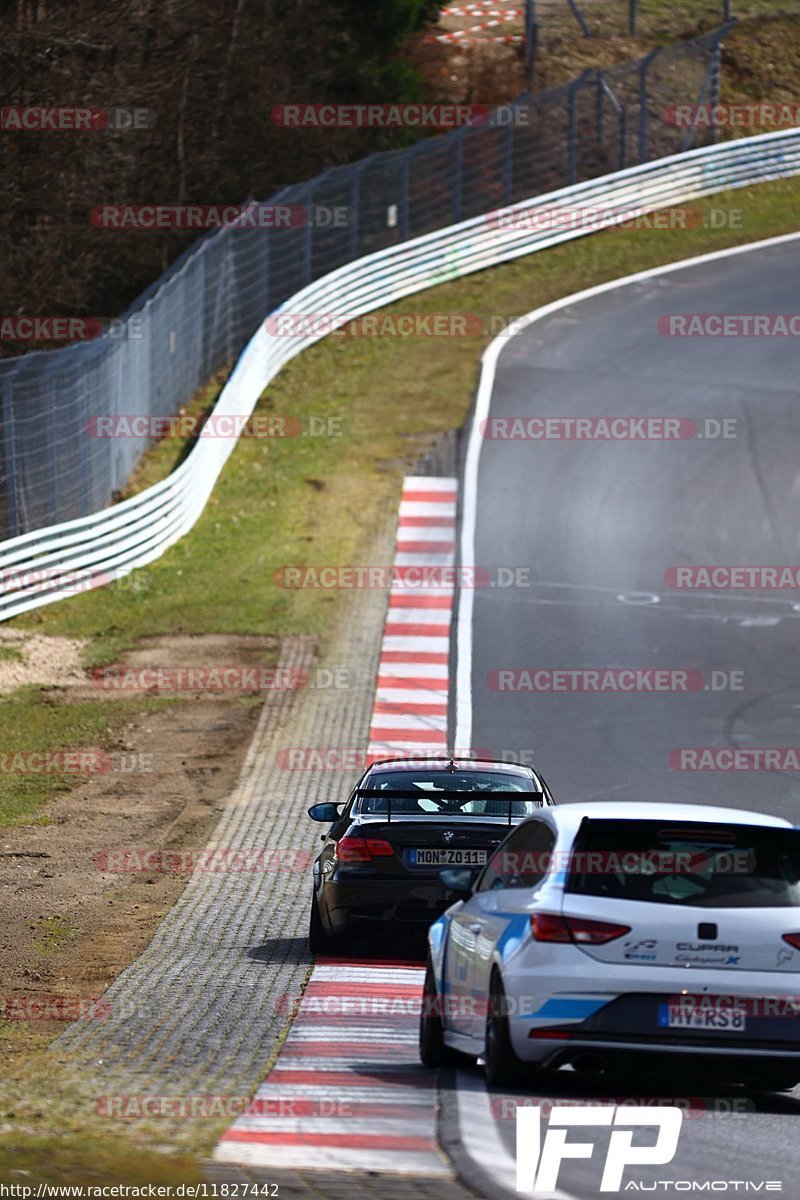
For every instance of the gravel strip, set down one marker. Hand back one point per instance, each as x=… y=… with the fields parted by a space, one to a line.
x=201 y=1009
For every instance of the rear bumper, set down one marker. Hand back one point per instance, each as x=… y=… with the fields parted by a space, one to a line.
x=357 y=905
x=619 y=1048
x=633 y=1022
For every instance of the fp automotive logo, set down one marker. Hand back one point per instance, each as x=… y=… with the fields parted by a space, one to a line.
x=539 y=1159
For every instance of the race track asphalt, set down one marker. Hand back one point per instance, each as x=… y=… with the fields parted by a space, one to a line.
x=598 y=525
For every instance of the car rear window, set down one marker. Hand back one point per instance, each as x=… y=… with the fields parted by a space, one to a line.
x=687 y=863
x=467 y=793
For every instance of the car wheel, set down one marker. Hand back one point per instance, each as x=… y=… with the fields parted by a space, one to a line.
x=318 y=939
x=500 y=1064
x=432 y=1049
x=322 y=942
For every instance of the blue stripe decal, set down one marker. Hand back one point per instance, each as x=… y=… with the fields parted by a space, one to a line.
x=558 y=1007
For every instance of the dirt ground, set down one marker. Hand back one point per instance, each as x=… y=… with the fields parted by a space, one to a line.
x=69 y=927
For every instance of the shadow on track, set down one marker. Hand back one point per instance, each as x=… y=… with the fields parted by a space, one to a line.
x=287 y=948
x=701 y=1095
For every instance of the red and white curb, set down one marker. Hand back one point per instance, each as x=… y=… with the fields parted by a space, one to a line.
x=462 y=37
x=347 y=1091
x=475 y=8
x=410 y=714
x=492 y=16
x=483 y=10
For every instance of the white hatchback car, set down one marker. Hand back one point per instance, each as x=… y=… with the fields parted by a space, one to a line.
x=600 y=932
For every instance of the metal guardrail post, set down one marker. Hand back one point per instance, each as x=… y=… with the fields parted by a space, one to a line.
x=531 y=41
x=622 y=113
x=572 y=124
x=710 y=84
x=599 y=114
x=405 y=200
x=572 y=149
x=579 y=17
x=308 y=240
x=716 y=71
x=266 y=259
x=508 y=163
x=458 y=174
x=10 y=458
x=632 y=14
x=644 y=66
x=354 y=215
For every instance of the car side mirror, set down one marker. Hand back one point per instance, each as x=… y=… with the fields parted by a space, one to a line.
x=458 y=880
x=325 y=812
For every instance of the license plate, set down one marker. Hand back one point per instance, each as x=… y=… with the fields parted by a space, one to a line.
x=447 y=858
x=711 y=1016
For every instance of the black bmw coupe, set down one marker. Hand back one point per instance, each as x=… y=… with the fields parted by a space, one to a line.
x=404 y=820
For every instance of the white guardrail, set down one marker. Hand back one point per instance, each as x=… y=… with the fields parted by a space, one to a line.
x=43 y=566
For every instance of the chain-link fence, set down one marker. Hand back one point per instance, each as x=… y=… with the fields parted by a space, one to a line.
x=58 y=461
x=654 y=19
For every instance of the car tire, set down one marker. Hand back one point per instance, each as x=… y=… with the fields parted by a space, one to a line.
x=432 y=1049
x=319 y=940
x=501 y=1066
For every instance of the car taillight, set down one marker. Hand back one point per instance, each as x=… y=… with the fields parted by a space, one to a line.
x=546 y=927
x=552 y=927
x=361 y=850
x=793 y=939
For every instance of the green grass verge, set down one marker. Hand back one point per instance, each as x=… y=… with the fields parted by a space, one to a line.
x=86 y=1161
x=33 y=721
x=317 y=500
